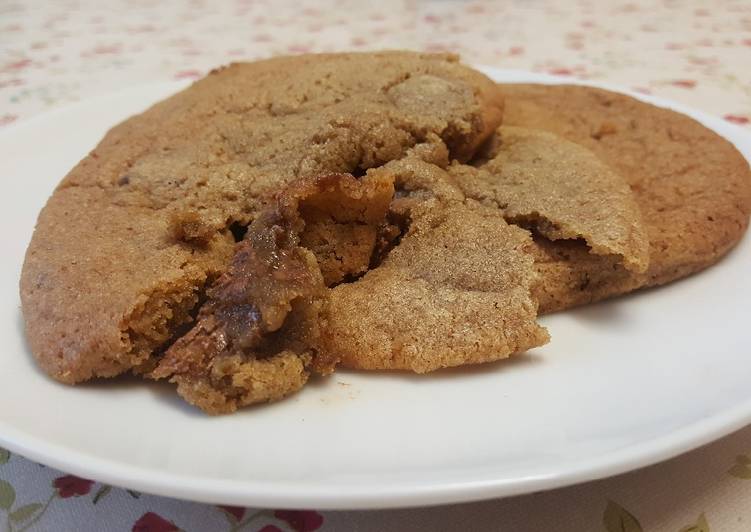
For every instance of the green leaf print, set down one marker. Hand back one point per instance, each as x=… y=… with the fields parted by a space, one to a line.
x=740 y=471
x=4 y=456
x=700 y=526
x=742 y=467
x=618 y=519
x=24 y=512
x=103 y=491
x=7 y=495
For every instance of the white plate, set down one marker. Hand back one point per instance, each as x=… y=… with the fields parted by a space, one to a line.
x=622 y=384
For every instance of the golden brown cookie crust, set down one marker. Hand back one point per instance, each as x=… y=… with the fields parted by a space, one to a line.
x=559 y=189
x=455 y=291
x=692 y=186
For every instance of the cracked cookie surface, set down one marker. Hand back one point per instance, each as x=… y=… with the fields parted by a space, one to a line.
x=692 y=186
x=133 y=235
x=219 y=239
x=571 y=201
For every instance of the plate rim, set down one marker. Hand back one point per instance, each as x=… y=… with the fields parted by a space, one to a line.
x=342 y=495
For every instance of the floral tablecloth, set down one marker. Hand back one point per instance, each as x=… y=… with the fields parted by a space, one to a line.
x=695 y=52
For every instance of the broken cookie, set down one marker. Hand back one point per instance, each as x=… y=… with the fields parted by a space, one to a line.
x=564 y=194
x=143 y=225
x=455 y=288
x=256 y=336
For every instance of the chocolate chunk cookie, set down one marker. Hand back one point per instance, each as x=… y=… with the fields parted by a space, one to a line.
x=132 y=237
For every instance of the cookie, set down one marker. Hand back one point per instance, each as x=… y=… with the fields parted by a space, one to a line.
x=692 y=186
x=255 y=337
x=455 y=289
x=473 y=261
x=563 y=191
x=133 y=236
x=570 y=200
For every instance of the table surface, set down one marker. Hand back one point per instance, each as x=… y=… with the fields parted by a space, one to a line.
x=695 y=52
